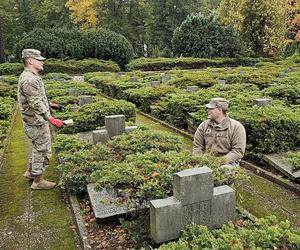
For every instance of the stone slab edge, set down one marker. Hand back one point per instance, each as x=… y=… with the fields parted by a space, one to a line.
x=286 y=169
x=271 y=177
x=80 y=227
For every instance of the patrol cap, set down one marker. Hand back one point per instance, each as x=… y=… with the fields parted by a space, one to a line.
x=32 y=53
x=217 y=102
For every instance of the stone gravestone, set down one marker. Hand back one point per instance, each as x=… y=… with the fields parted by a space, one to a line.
x=192 y=88
x=78 y=78
x=74 y=92
x=195 y=200
x=155 y=84
x=85 y=99
x=262 y=102
x=104 y=203
x=166 y=77
x=134 y=79
x=221 y=81
x=114 y=125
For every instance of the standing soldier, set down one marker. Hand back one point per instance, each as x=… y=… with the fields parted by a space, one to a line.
x=36 y=116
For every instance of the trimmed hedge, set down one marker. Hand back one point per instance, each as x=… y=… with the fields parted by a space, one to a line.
x=91 y=116
x=6 y=104
x=145 y=96
x=149 y=64
x=64 y=66
x=265 y=233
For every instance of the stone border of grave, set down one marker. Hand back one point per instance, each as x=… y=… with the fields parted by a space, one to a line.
x=80 y=227
x=272 y=177
x=279 y=162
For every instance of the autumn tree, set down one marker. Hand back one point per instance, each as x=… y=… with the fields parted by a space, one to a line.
x=264 y=26
x=230 y=13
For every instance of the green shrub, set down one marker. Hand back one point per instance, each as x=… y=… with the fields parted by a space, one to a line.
x=72 y=43
x=80 y=159
x=77 y=161
x=8 y=90
x=143 y=177
x=4 y=125
x=290 y=94
x=59 y=88
x=7 y=104
x=294 y=159
x=142 y=141
x=108 y=45
x=202 y=36
x=91 y=116
x=79 y=66
x=57 y=77
x=145 y=96
x=9 y=79
x=11 y=68
x=149 y=64
x=265 y=233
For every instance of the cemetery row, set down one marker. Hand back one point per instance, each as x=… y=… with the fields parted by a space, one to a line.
x=264 y=98
x=137 y=165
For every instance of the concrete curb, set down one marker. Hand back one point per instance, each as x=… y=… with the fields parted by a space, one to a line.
x=80 y=226
x=271 y=177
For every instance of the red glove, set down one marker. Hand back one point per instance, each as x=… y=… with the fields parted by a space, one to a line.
x=56 y=122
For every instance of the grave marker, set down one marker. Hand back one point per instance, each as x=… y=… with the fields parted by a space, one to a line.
x=279 y=162
x=114 y=125
x=221 y=81
x=262 y=102
x=195 y=200
x=155 y=84
x=192 y=88
x=73 y=92
x=85 y=99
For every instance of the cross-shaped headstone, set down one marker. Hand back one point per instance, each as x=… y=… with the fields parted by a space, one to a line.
x=195 y=200
x=114 y=125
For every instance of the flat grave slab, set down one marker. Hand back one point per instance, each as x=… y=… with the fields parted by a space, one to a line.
x=280 y=163
x=104 y=203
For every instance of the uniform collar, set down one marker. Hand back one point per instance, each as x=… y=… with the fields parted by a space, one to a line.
x=28 y=70
x=221 y=126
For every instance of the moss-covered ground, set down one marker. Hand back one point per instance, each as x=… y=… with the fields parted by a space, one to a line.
x=31 y=219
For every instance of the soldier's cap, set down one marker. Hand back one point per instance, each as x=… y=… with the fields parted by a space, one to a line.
x=217 y=102
x=32 y=53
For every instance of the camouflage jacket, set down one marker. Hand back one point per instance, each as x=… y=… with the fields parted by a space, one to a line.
x=227 y=139
x=32 y=99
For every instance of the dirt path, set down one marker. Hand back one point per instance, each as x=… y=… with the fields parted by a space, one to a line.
x=31 y=219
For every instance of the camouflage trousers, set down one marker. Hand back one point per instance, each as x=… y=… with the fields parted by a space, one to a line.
x=40 y=137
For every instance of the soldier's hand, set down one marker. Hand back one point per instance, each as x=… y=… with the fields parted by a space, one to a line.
x=56 y=122
x=57 y=106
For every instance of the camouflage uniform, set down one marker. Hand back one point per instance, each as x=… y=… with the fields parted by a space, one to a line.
x=35 y=112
